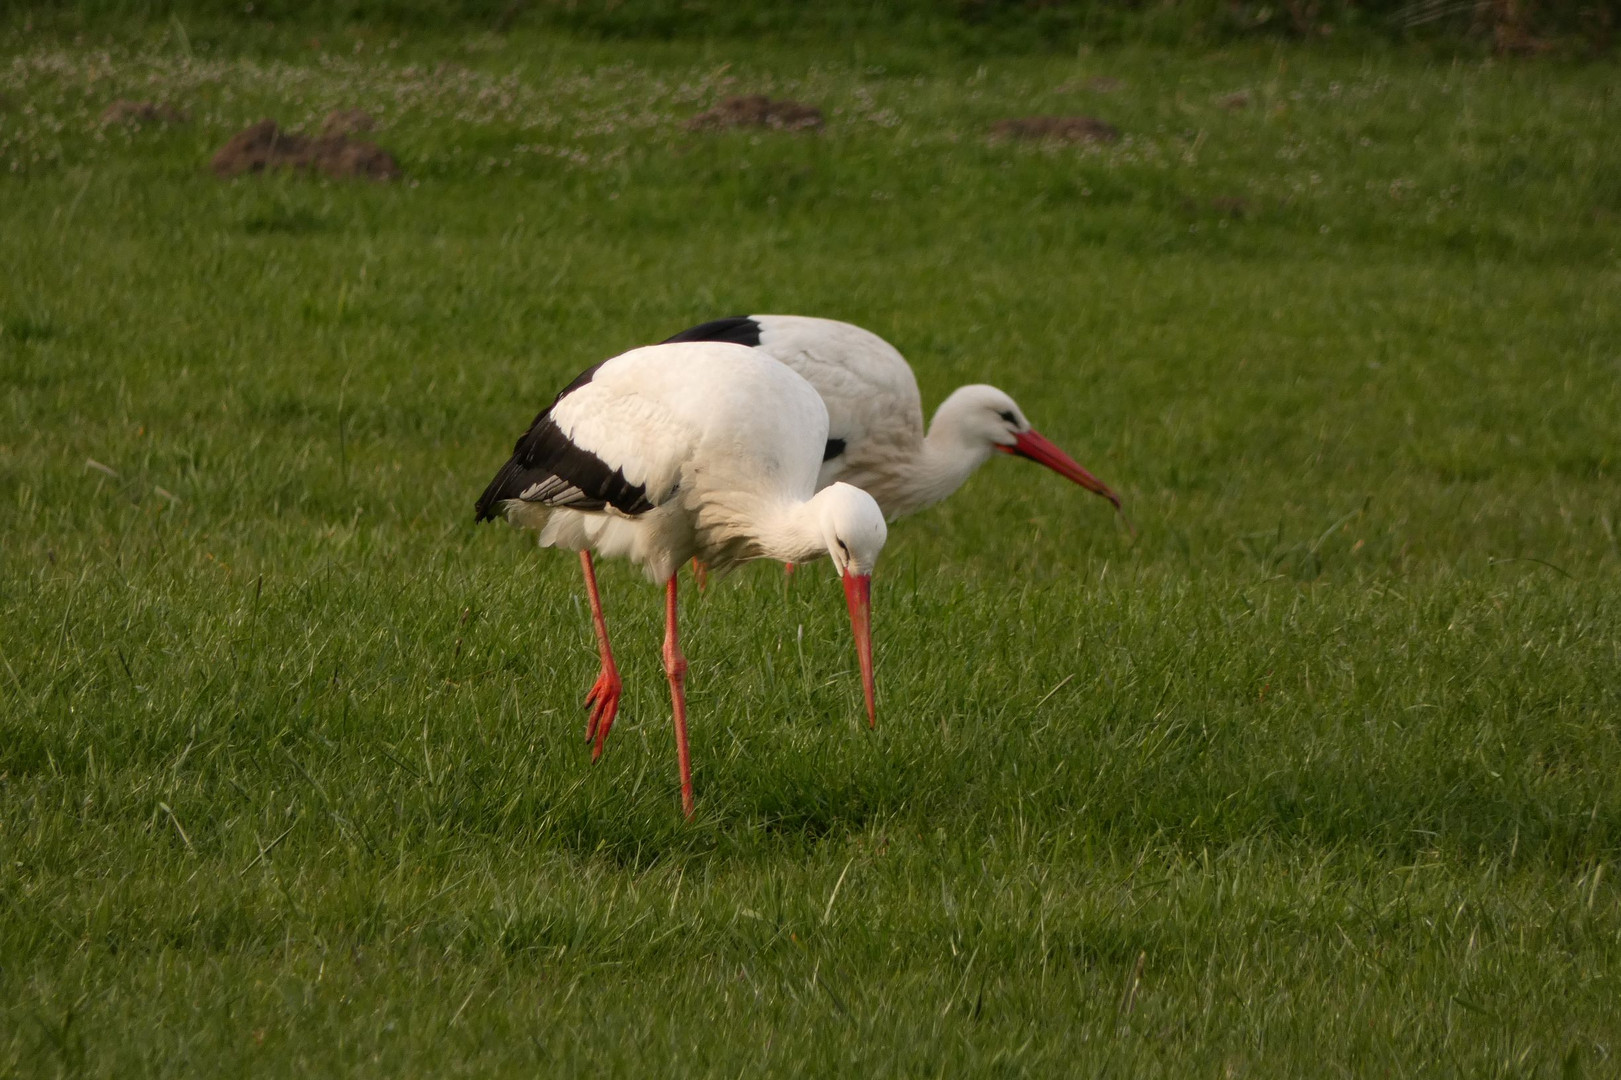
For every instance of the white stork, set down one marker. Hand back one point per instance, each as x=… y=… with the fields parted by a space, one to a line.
x=876 y=439
x=704 y=450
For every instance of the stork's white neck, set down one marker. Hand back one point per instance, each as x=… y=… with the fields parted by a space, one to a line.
x=787 y=532
x=840 y=520
x=944 y=462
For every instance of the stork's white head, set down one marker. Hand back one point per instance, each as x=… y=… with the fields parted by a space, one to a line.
x=852 y=527
x=980 y=419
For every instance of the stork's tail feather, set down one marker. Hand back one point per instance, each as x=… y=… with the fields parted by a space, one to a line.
x=508 y=484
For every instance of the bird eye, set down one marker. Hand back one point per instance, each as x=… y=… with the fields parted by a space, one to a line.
x=1009 y=417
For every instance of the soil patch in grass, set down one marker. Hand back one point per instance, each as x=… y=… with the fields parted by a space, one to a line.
x=341 y=122
x=137 y=113
x=1075 y=129
x=757 y=110
x=264 y=146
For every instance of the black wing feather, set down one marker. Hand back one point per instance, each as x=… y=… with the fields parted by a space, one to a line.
x=738 y=329
x=546 y=467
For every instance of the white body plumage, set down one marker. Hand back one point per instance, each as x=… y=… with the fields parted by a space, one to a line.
x=876 y=435
x=722 y=444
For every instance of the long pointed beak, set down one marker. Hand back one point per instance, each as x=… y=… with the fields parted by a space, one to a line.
x=858 y=594
x=1038 y=448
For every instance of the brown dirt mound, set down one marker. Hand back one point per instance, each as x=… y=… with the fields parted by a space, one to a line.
x=757 y=110
x=265 y=146
x=347 y=122
x=125 y=111
x=1075 y=129
x=1228 y=206
x=1235 y=101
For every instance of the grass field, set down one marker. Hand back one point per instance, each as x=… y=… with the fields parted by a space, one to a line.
x=1318 y=775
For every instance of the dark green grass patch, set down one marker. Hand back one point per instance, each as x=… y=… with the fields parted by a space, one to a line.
x=1316 y=772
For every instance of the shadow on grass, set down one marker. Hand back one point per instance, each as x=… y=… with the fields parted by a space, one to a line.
x=757 y=816
x=284 y=221
x=27 y=328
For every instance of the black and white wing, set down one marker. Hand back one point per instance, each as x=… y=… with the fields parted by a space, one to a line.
x=584 y=452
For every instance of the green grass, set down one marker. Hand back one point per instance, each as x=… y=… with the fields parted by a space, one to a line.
x=1315 y=776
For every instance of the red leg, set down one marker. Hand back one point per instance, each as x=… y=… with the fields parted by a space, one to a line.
x=700 y=573
x=603 y=697
x=675 y=666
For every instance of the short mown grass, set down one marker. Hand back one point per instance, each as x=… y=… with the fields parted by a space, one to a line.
x=1315 y=775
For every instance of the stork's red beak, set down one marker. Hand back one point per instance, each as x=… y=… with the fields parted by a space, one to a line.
x=858 y=594
x=1038 y=448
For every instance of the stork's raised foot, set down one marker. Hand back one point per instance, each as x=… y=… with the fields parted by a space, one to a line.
x=603 y=701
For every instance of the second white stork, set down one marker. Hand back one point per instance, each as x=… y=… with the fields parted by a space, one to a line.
x=876 y=439
x=704 y=450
